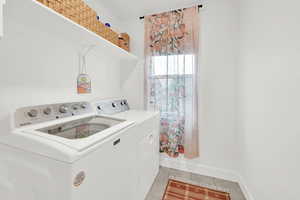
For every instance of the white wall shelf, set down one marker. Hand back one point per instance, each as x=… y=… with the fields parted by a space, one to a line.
x=36 y=15
x=2 y=2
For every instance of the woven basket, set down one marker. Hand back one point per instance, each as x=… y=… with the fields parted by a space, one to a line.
x=123 y=41
x=79 y=12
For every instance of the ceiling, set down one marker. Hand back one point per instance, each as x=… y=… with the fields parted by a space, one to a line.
x=129 y=9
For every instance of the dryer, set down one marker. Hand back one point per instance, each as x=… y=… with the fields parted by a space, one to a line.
x=146 y=131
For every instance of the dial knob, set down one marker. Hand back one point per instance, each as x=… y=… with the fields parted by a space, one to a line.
x=75 y=107
x=113 y=105
x=63 y=109
x=99 y=107
x=83 y=106
x=32 y=113
x=47 y=111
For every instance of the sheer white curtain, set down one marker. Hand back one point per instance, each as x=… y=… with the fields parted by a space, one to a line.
x=171 y=71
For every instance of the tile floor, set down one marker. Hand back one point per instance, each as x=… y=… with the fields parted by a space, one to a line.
x=158 y=187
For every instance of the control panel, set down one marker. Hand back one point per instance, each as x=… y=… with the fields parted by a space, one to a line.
x=37 y=114
x=111 y=107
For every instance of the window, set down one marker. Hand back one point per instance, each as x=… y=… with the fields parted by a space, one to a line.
x=172 y=65
x=171 y=50
x=171 y=78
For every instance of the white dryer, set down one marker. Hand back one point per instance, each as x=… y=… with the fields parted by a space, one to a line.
x=146 y=132
x=69 y=152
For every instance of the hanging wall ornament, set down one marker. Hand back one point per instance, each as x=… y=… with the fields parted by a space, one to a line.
x=83 y=80
x=84 y=83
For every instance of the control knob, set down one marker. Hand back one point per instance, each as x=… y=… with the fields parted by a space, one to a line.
x=63 y=109
x=47 y=111
x=32 y=113
x=83 y=106
x=75 y=107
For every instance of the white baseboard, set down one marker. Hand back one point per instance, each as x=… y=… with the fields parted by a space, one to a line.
x=245 y=188
x=205 y=170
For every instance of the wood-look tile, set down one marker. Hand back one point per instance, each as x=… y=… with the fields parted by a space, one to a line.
x=226 y=184
x=203 y=180
x=174 y=173
x=158 y=188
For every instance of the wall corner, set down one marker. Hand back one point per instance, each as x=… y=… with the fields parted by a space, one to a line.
x=2 y=2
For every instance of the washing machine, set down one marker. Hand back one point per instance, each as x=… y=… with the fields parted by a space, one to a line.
x=70 y=151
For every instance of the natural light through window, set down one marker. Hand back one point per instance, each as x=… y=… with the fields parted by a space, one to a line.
x=173 y=65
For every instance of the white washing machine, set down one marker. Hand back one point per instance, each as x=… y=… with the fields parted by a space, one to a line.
x=70 y=152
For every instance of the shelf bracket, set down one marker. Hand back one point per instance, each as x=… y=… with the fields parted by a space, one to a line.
x=2 y=2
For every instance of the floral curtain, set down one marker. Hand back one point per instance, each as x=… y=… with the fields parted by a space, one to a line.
x=171 y=84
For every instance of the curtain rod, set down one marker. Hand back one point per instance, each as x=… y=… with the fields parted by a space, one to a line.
x=199 y=6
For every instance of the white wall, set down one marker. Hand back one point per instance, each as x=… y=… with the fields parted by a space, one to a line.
x=269 y=96
x=2 y=2
x=218 y=59
x=40 y=68
x=132 y=81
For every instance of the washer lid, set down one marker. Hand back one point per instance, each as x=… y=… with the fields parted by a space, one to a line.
x=82 y=133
